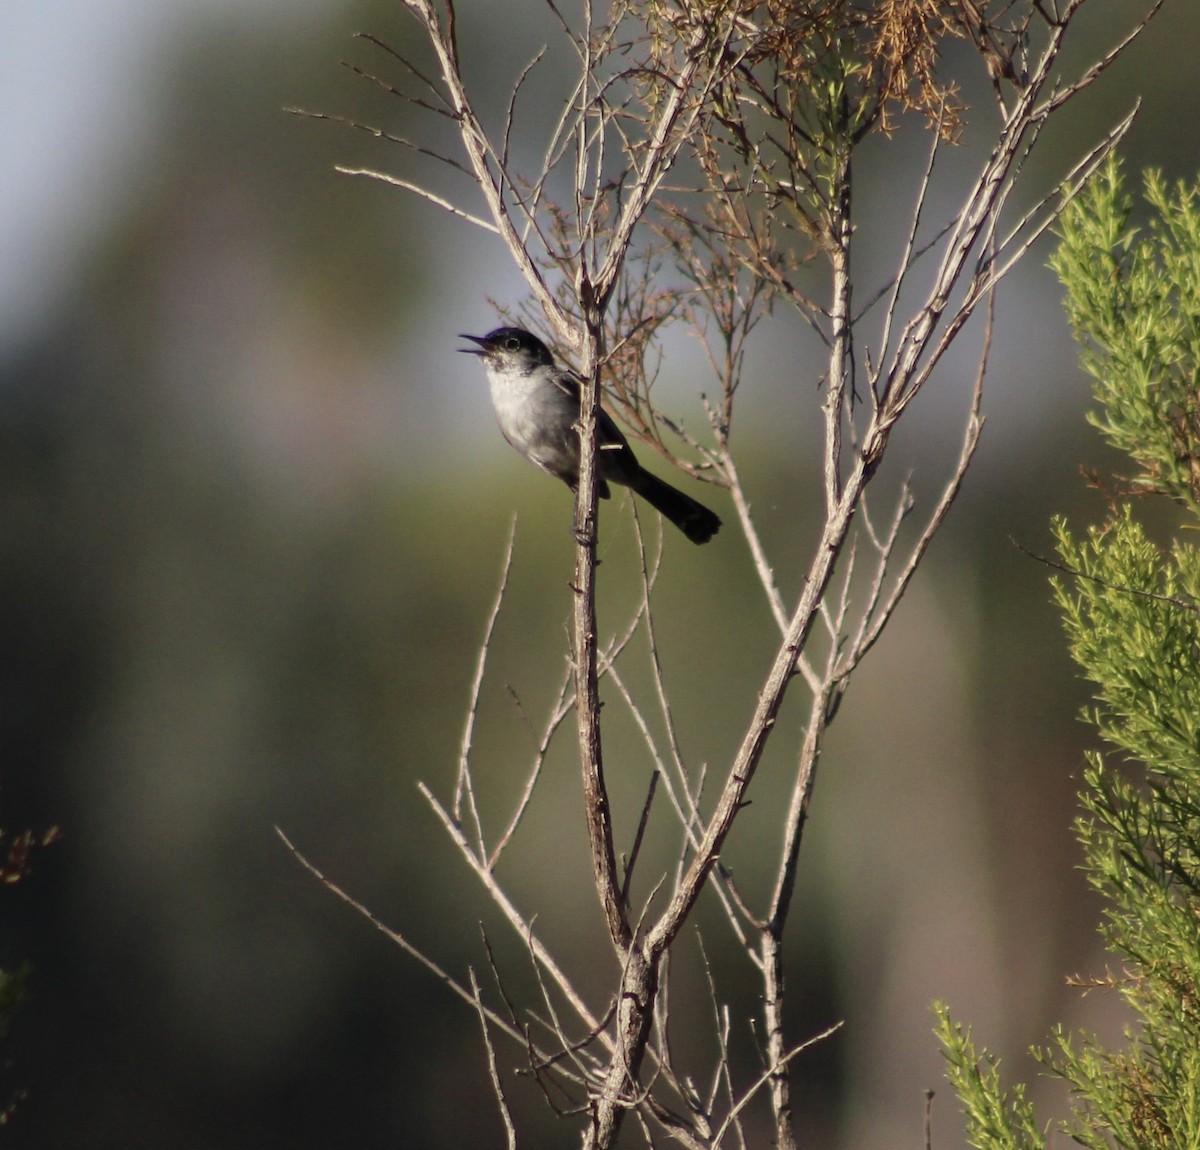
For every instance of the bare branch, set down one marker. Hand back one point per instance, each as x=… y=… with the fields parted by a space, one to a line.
x=763 y=1078
x=444 y=108
x=500 y=897
x=1093 y=73
x=480 y=151
x=766 y=116
x=449 y=980
x=510 y=1131
x=463 y=788
x=563 y=706
x=874 y=623
x=380 y=134
x=637 y=838
x=907 y=258
x=424 y=193
x=506 y=135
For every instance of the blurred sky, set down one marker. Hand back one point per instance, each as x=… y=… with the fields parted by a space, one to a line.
x=75 y=118
x=81 y=87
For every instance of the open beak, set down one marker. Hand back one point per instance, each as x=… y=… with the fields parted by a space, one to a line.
x=480 y=350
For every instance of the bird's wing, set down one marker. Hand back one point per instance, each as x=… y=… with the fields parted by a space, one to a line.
x=571 y=383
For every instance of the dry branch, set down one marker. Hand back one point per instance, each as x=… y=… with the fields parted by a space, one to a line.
x=760 y=108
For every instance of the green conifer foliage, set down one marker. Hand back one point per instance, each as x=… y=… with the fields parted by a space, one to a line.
x=1131 y=609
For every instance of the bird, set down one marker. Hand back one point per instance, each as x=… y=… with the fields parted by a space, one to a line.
x=537 y=406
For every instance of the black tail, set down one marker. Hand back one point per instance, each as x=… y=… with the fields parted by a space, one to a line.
x=692 y=518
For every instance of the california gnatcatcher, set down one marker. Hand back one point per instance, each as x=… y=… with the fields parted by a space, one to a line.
x=537 y=405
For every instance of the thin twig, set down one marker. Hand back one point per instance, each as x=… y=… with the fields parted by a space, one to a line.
x=873 y=627
x=563 y=706
x=1192 y=607
x=506 y=906
x=635 y=850
x=424 y=193
x=463 y=786
x=764 y=1077
x=437 y=971
x=510 y=1131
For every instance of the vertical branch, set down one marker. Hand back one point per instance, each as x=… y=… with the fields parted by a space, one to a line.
x=841 y=333
x=703 y=55
x=643 y=99
x=587 y=689
x=771 y=948
x=597 y=812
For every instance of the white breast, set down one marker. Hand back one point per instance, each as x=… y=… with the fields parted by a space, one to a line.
x=538 y=418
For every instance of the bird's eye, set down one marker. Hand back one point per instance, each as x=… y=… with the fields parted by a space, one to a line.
x=512 y=343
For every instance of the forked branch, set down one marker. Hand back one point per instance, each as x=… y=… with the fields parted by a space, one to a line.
x=761 y=117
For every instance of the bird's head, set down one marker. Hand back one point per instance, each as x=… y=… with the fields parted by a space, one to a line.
x=510 y=349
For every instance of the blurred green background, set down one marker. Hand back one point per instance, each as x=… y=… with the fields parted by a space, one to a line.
x=254 y=511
